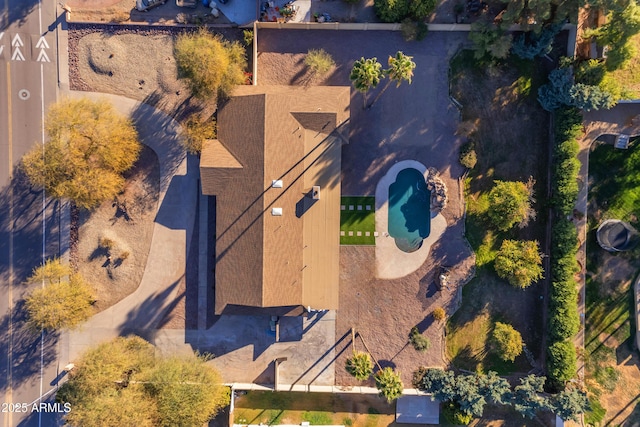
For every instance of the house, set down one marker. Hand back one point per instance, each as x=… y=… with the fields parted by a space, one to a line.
x=275 y=174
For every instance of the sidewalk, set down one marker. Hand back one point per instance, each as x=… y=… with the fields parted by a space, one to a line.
x=173 y=229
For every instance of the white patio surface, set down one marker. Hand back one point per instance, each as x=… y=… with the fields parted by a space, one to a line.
x=391 y=262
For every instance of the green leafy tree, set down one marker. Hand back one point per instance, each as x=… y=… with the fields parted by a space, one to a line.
x=186 y=390
x=555 y=94
x=454 y=415
x=507 y=341
x=570 y=403
x=527 y=398
x=63 y=303
x=197 y=130
x=623 y=22
x=366 y=75
x=519 y=262
x=495 y=389
x=562 y=361
x=469 y=398
x=421 y=9
x=391 y=10
x=588 y=97
x=510 y=204
x=360 y=365
x=489 y=40
x=530 y=44
x=89 y=146
x=530 y=14
x=319 y=61
x=440 y=383
x=400 y=69
x=210 y=64
x=468 y=156
x=563 y=91
x=52 y=271
x=123 y=382
x=397 y=10
x=100 y=388
x=590 y=72
x=389 y=384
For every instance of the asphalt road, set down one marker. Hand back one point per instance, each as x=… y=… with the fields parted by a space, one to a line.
x=28 y=221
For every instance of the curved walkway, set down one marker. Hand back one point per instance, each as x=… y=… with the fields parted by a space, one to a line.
x=391 y=262
x=143 y=310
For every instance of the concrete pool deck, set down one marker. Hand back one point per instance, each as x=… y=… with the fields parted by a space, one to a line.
x=391 y=262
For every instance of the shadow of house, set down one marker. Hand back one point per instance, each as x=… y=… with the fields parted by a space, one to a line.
x=274 y=250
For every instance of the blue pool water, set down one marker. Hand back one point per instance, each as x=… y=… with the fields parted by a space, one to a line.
x=409 y=210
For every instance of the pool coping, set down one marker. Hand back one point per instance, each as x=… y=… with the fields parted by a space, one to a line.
x=391 y=262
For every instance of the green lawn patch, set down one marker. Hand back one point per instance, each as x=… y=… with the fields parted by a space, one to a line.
x=271 y=408
x=616 y=181
x=355 y=220
x=629 y=77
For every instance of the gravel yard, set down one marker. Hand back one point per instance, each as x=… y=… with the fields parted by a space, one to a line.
x=136 y=62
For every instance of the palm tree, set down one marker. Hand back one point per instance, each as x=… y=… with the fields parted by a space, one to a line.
x=365 y=75
x=400 y=68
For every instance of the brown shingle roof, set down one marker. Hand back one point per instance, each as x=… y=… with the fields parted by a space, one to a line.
x=277 y=133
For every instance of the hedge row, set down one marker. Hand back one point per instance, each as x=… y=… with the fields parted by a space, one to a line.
x=564 y=321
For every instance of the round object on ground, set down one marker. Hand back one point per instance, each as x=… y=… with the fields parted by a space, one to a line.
x=615 y=236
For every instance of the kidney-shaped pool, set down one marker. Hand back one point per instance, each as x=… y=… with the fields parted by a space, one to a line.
x=409 y=210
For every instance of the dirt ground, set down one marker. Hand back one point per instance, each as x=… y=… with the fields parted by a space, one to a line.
x=501 y=100
x=129 y=226
x=101 y=60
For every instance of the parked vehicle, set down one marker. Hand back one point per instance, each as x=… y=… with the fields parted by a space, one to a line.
x=144 y=5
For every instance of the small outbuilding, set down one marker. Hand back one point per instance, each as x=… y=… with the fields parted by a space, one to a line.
x=417 y=410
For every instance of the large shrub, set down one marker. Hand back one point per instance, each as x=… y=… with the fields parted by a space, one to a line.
x=453 y=415
x=419 y=341
x=89 y=146
x=561 y=361
x=389 y=384
x=360 y=365
x=506 y=341
x=510 y=204
x=520 y=262
x=209 y=63
x=397 y=10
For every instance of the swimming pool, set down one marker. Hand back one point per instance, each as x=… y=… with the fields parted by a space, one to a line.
x=409 y=210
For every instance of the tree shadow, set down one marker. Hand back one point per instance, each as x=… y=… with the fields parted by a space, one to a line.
x=26 y=346
x=17 y=13
x=21 y=217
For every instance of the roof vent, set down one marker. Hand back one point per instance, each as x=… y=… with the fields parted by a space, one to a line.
x=276 y=211
x=276 y=183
